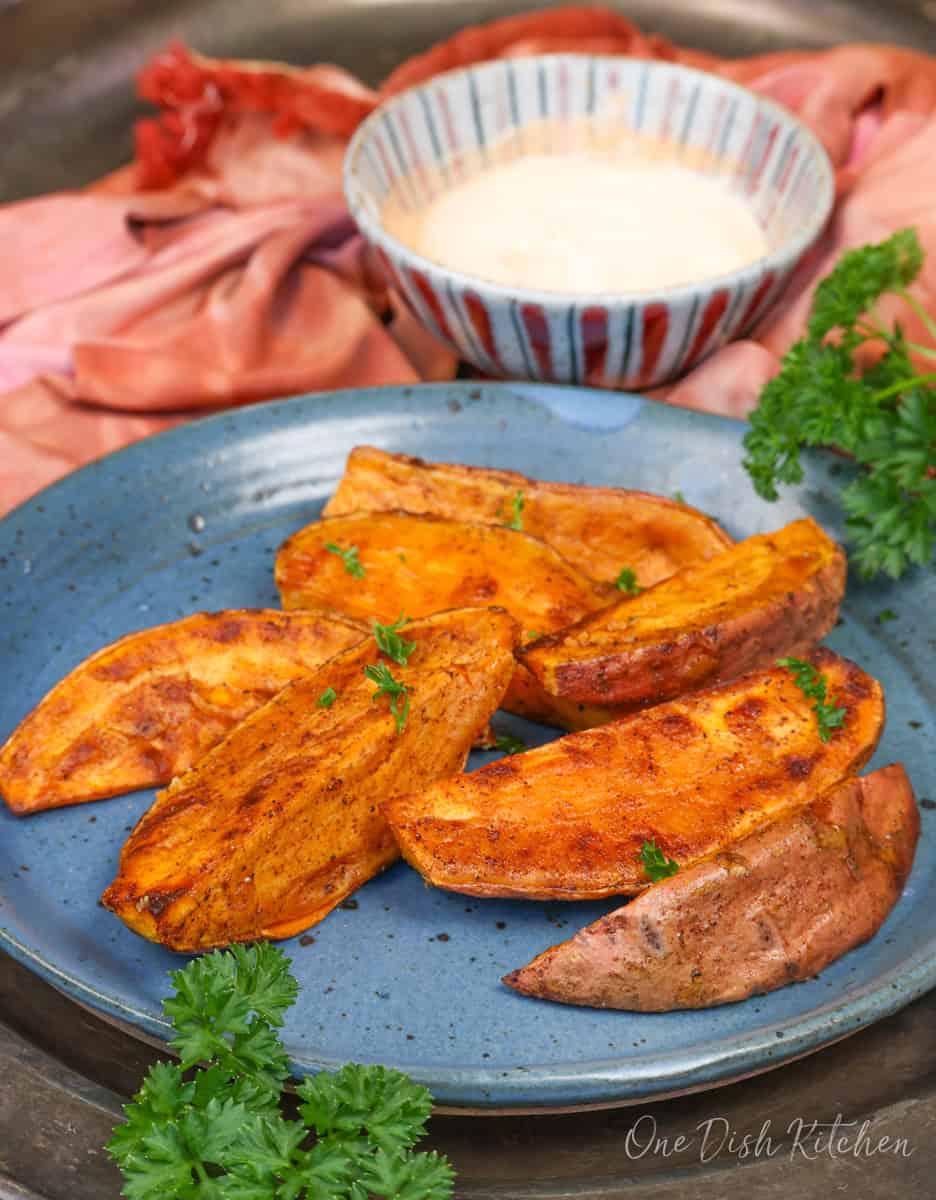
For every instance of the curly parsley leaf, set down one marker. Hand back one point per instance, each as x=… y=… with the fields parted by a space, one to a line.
x=815 y=686
x=861 y=277
x=627 y=582
x=390 y=642
x=408 y=1176
x=352 y=563
x=509 y=744
x=655 y=862
x=517 y=506
x=381 y=674
x=882 y=415
x=373 y=1102
x=211 y=1131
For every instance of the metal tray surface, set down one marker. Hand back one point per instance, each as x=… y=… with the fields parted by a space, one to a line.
x=66 y=105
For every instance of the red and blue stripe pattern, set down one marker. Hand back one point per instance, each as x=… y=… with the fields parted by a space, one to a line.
x=436 y=135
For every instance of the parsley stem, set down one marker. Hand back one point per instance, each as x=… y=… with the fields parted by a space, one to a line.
x=902 y=385
x=200 y=1171
x=923 y=351
x=918 y=308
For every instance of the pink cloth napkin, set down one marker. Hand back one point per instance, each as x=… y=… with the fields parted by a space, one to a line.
x=237 y=274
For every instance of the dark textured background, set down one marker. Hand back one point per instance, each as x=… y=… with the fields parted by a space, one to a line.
x=66 y=108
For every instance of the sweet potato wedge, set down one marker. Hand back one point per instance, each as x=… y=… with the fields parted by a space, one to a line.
x=277 y=824
x=600 y=530
x=771 y=595
x=421 y=564
x=778 y=908
x=568 y=820
x=146 y=708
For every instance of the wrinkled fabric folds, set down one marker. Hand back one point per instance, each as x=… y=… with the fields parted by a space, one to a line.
x=222 y=267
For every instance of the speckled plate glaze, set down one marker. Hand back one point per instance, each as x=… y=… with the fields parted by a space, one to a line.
x=405 y=975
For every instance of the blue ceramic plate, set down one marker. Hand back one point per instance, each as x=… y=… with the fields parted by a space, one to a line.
x=410 y=977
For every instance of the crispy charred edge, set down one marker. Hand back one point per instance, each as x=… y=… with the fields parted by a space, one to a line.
x=891 y=821
x=514 y=480
x=651 y=674
x=227 y=621
x=149 y=913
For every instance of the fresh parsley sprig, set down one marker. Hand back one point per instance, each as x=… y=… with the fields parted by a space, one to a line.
x=509 y=744
x=209 y=1127
x=882 y=415
x=381 y=674
x=349 y=556
x=655 y=862
x=517 y=505
x=815 y=686
x=627 y=582
x=390 y=643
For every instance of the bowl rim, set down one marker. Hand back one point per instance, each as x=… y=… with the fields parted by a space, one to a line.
x=374 y=230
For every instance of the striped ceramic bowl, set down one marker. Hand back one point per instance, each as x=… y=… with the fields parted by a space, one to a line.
x=435 y=135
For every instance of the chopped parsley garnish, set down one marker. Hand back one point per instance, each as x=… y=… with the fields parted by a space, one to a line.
x=878 y=408
x=814 y=686
x=886 y=614
x=380 y=674
x=327 y=698
x=210 y=1126
x=531 y=634
x=509 y=744
x=679 y=497
x=655 y=862
x=517 y=503
x=352 y=564
x=388 y=639
x=627 y=582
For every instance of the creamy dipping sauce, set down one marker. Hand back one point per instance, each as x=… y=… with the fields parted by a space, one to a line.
x=584 y=223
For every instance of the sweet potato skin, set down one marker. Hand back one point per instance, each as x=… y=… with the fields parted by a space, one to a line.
x=148 y=706
x=282 y=820
x=778 y=908
x=771 y=595
x=599 y=530
x=567 y=820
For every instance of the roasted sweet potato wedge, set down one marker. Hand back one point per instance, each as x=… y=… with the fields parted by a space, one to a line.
x=568 y=820
x=771 y=595
x=419 y=565
x=777 y=908
x=277 y=824
x=146 y=708
x=527 y=697
x=600 y=530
